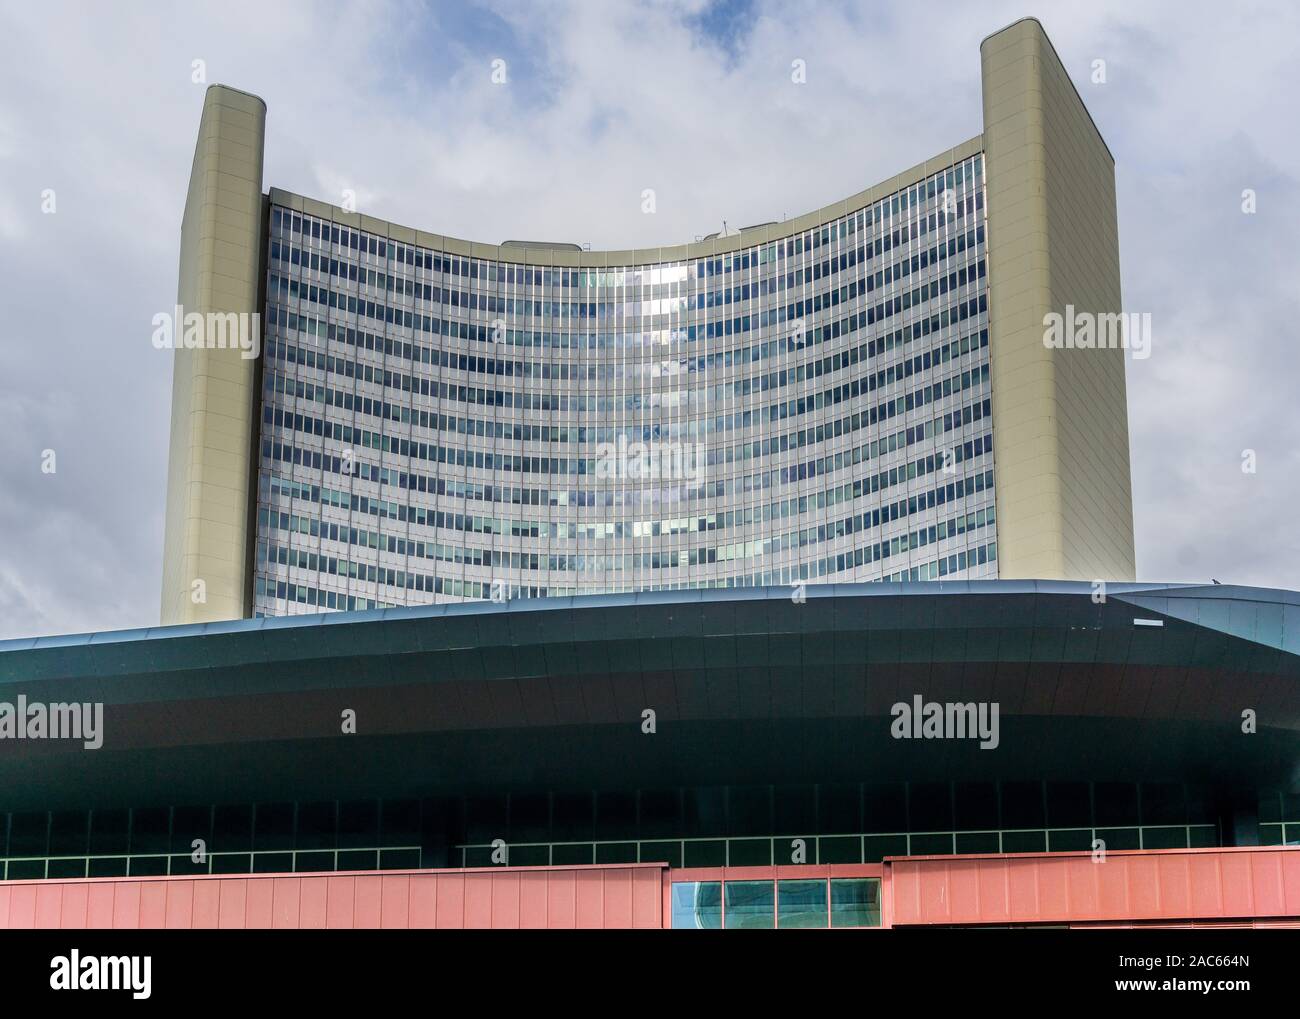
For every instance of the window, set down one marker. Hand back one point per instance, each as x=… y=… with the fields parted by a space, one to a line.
x=697 y=904
x=801 y=904
x=855 y=902
x=750 y=905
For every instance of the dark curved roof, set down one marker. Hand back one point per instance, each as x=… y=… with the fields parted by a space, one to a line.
x=747 y=686
x=1185 y=601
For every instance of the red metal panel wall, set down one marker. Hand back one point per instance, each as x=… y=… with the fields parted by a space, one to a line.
x=1129 y=886
x=1177 y=887
x=614 y=896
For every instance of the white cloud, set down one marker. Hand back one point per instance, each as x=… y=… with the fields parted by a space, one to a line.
x=604 y=100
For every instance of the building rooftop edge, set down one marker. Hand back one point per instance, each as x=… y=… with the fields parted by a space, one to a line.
x=608 y=258
x=1041 y=28
x=238 y=91
x=932 y=588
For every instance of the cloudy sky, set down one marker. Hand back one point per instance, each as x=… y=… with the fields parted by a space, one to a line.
x=604 y=99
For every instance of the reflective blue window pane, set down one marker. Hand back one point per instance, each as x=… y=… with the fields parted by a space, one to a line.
x=750 y=904
x=855 y=902
x=801 y=904
x=697 y=904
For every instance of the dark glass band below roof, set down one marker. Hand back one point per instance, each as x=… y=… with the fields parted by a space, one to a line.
x=748 y=687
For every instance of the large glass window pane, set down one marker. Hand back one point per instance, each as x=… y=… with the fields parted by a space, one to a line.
x=68 y=834
x=28 y=834
x=222 y=863
x=1024 y=841
x=932 y=844
x=659 y=815
x=267 y=863
x=697 y=904
x=662 y=852
x=569 y=853
x=399 y=823
x=977 y=842
x=855 y=902
x=316 y=824
x=704 y=812
x=485 y=818
x=1204 y=836
x=358 y=859
x=931 y=806
x=1202 y=806
x=1163 y=803
x=709 y=853
x=839 y=849
x=976 y=805
x=109 y=831
x=750 y=853
x=399 y=859
x=70 y=867
x=749 y=810
x=150 y=830
x=232 y=829
x=1117 y=804
x=801 y=904
x=884 y=808
x=313 y=862
x=27 y=870
x=188 y=824
x=1064 y=840
x=146 y=866
x=877 y=847
x=359 y=825
x=750 y=904
x=272 y=826
x=186 y=865
x=794 y=809
x=1120 y=838
x=1022 y=805
x=839 y=808
x=1164 y=838
x=616 y=852
x=615 y=815
x=530 y=817
x=1069 y=805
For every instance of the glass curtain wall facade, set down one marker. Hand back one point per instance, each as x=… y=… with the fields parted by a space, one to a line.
x=690 y=827
x=442 y=428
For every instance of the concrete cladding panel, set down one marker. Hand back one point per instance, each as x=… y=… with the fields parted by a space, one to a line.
x=213 y=389
x=1060 y=433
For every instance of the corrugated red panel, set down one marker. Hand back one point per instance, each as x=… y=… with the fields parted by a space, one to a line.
x=614 y=896
x=1129 y=886
x=1232 y=887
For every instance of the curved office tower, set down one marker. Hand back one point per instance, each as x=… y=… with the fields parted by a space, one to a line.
x=870 y=392
x=807 y=402
x=861 y=393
